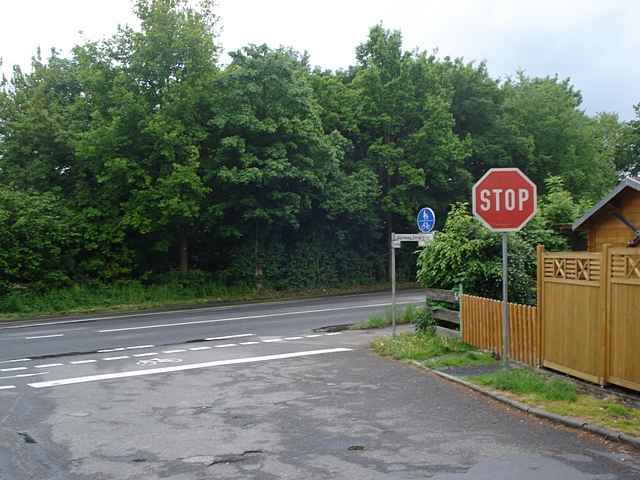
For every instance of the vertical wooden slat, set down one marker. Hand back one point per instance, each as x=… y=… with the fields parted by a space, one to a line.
x=540 y=303
x=605 y=276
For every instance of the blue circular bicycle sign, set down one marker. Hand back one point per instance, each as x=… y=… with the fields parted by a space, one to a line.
x=426 y=220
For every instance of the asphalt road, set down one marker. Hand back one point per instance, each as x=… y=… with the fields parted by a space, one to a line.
x=274 y=399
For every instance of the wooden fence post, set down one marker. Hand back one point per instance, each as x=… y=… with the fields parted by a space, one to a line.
x=605 y=275
x=539 y=330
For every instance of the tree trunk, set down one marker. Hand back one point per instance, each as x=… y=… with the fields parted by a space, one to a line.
x=184 y=253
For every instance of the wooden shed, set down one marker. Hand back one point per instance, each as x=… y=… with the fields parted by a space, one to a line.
x=615 y=219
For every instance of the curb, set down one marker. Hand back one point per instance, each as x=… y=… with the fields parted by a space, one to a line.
x=567 y=421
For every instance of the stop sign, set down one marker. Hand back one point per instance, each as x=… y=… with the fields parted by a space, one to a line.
x=504 y=199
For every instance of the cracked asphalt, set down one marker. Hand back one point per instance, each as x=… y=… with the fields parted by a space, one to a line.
x=341 y=414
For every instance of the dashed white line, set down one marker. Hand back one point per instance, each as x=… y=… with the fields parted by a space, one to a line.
x=148 y=354
x=14 y=369
x=23 y=375
x=50 y=365
x=227 y=345
x=139 y=347
x=271 y=340
x=312 y=336
x=110 y=350
x=82 y=362
x=333 y=333
x=195 y=349
x=178 y=350
x=122 y=357
x=7 y=387
x=17 y=360
x=249 y=343
x=227 y=337
x=45 y=336
x=179 y=368
x=292 y=338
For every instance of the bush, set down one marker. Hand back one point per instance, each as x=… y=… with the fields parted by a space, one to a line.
x=425 y=323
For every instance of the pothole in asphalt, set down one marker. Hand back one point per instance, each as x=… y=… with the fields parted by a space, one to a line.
x=236 y=458
x=356 y=448
x=334 y=328
x=27 y=438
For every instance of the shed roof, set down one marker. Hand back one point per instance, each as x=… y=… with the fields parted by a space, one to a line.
x=629 y=182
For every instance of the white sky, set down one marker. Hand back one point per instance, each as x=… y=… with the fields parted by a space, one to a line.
x=595 y=42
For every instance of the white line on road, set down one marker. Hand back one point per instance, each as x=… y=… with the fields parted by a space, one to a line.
x=110 y=350
x=333 y=333
x=45 y=336
x=249 y=317
x=249 y=343
x=195 y=349
x=292 y=338
x=17 y=360
x=139 y=347
x=81 y=362
x=227 y=337
x=271 y=340
x=178 y=350
x=122 y=357
x=14 y=369
x=50 y=365
x=23 y=375
x=7 y=387
x=180 y=368
x=312 y=336
x=149 y=354
x=227 y=345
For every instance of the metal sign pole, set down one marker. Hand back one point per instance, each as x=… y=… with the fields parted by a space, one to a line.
x=393 y=284
x=505 y=301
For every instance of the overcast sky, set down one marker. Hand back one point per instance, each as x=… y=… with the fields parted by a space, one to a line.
x=595 y=42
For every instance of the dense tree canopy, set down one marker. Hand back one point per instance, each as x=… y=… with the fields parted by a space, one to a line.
x=140 y=154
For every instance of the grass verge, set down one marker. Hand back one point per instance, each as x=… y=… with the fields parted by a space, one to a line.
x=134 y=296
x=434 y=351
x=404 y=316
x=562 y=398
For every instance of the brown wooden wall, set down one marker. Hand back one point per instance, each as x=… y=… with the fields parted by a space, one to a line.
x=604 y=228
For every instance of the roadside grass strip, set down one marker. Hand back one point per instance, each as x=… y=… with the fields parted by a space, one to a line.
x=561 y=397
x=404 y=316
x=433 y=350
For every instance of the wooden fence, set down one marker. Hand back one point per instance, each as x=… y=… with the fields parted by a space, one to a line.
x=482 y=328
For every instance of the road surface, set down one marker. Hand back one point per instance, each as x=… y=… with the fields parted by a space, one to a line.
x=256 y=391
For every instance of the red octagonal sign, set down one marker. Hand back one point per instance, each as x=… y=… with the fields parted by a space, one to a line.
x=504 y=199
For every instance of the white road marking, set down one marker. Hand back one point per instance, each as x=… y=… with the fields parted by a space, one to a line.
x=110 y=350
x=17 y=360
x=195 y=349
x=179 y=350
x=292 y=338
x=271 y=340
x=116 y=358
x=7 y=387
x=139 y=347
x=148 y=354
x=227 y=337
x=227 y=345
x=249 y=343
x=50 y=365
x=22 y=375
x=249 y=317
x=14 y=369
x=81 y=362
x=180 y=368
x=45 y=336
x=312 y=336
x=333 y=333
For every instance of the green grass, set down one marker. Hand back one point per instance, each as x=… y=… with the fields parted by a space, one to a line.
x=525 y=381
x=134 y=295
x=461 y=359
x=404 y=316
x=419 y=346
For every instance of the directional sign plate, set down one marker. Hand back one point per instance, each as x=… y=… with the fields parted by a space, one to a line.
x=426 y=220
